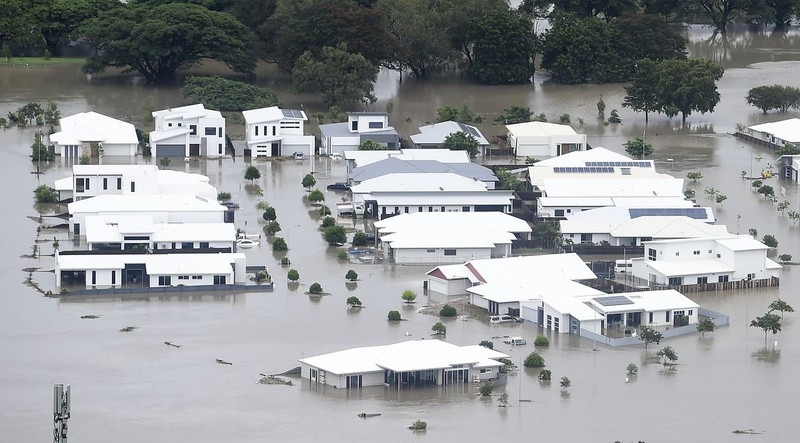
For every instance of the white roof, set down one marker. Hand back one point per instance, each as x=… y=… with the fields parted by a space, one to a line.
x=605 y=219
x=732 y=242
x=667 y=227
x=579 y=158
x=166 y=134
x=402 y=357
x=444 y=198
x=614 y=187
x=156 y=264
x=597 y=202
x=648 y=301
x=788 y=130
x=416 y=182
x=567 y=266
x=450 y=229
x=454 y=237
x=537 y=129
x=112 y=229
x=63 y=184
x=90 y=126
x=272 y=114
x=141 y=203
x=436 y=133
x=671 y=268
x=114 y=170
x=452 y=272
x=186 y=112
x=363 y=158
x=527 y=289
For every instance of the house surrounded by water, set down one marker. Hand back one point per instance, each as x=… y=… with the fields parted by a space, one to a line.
x=90 y=134
x=276 y=132
x=188 y=131
x=360 y=126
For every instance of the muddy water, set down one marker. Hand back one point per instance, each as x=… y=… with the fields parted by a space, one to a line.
x=130 y=386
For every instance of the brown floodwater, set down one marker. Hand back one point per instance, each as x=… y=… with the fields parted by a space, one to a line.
x=130 y=386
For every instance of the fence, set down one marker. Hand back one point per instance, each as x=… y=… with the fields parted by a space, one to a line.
x=639 y=284
x=266 y=287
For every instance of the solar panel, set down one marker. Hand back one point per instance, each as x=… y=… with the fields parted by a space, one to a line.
x=695 y=213
x=614 y=300
x=582 y=169
x=292 y=113
x=644 y=164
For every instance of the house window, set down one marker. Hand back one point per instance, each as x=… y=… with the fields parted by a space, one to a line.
x=651 y=254
x=586 y=238
x=265 y=129
x=702 y=280
x=675 y=281
x=94 y=277
x=549 y=321
x=79 y=185
x=212 y=131
x=164 y=280
x=651 y=317
x=719 y=256
x=105 y=183
x=555 y=324
x=559 y=212
x=430 y=208
x=722 y=279
x=274 y=129
x=690 y=312
x=187 y=245
x=486 y=371
x=169 y=125
x=204 y=245
x=442 y=209
x=677 y=254
x=197 y=277
x=449 y=252
x=133 y=186
x=354 y=125
x=113 y=277
x=626 y=171
x=180 y=124
x=256 y=131
x=219 y=279
x=465 y=208
x=219 y=130
x=220 y=149
x=419 y=209
x=193 y=130
x=430 y=251
x=667 y=317
x=695 y=252
x=376 y=125
x=569 y=211
x=406 y=209
x=119 y=184
x=183 y=277
x=751 y=276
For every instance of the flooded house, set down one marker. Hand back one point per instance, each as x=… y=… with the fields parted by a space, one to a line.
x=91 y=134
x=337 y=138
x=277 y=132
x=188 y=131
x=543 y=140
x=433 y=136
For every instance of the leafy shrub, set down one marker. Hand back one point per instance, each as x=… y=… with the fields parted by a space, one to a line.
x=293 y=275
x=541 y=340
x=224 y=196
x=418 y=425
x=770 y=241
x=272 y=228
x=342 y=255
x=448 y=311
x=409 y=296
x=394 y=316
x=632 y=369
x=327 y=222
x=533 y=360
x=487 y=344
x=360 y=239
x=269 y=214
x=486 y=389
x=351 y=275
x=353 y=301
x=324 y=210
x=45 y=194
x=439 y=328
x=315 y=288
x=316 y=196
x=545 y=375
x=335 y=235
x=279 y=245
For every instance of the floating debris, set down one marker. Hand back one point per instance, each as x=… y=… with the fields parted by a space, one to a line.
x=172 y=344
x=274 y=380
x=747 y=431
x=223 y=362
x=365 y=415
x=89 y=317
x=129 y=329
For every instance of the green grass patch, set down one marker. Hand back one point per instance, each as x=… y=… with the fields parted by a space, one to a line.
x=41 y=61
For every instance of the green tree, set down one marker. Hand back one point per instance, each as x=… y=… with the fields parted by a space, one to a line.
x=769 y=323
x=461 y=141
x=335 y=235
x=371 y=145
x=58 y=20
x=340 y=76
x=279 y=244
x=515 y=114
x=448 y=311
x=164 y=162
x=486 y=344
x=649 y=335
x=686 y=86
x=439 y=328
x=418 y=425
x=293 y=275
x=642 y=94
x=719 y=198
x=503 y=400
x=309 y=181
x=39 y=151
x=780 y=305
x=503 y=47
x=607 y=9
x=638 y=148
x=644 y=37
x=541 y=340
x=785 y=258
x=394 y=316
x=776 y=97
x=667 y=353
x=720 y=12
x=461 y=17
x=252 y=173
x=45 y=194
x=787 y=149
x=351 y=275
x=756 y=183
x=272 y=228
x=694 y=176
x=770 y=241
x=565 y=383
x=225 y=95
x=486 y=389
x=533 y=360
x=447 y=113
x=327 y=222
x=545 y=375
x=706 y=325
x=360 y=239
x=316 y=196
x=632 y=369
x=794 y=216
x=509 y=180
x=353 y=302
x=132 y=38
x=766 y=191
x=753 y=232
x=269 y=214
x=409 y=296
x=315 y=289
x=223 y=196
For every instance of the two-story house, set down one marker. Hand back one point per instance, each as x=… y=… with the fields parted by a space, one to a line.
x=360 y=126
x=188 y=131
x=276 y=132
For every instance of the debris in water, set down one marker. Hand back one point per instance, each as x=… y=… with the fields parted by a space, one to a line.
x=172 y=344
x=89 y=317
x=750 y=431
x=365 y=415
x=223 y=362
x=274 y=380
x=128 y=328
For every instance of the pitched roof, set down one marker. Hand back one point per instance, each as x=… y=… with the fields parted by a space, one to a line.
x=90 y=126
x=788 y=130
x=436 y=133
x=538 y=129
x=272 y=114
x=419 y=182
x=395 y=164
x=579 y=158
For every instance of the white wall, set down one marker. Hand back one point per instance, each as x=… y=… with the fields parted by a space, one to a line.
x=122 y=149
x=365 y=120
x=340 y=380
x=448 y=287
x=422 y=256
x=103 y=278
x=205 y=279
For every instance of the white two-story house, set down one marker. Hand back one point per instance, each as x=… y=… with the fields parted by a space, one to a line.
x=360 y=126
x=276 y=132
x=188 y=131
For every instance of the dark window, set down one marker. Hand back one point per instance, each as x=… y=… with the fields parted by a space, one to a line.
x=442 y=208
x=651 y=254
x=220 y=148
x=94 y=277
x=690 y=312
x=667 y=312
x=211 y=131
x=133 y=186
x=376 y=125
x=449 y=252
x=419 y=209
x=702 y=280
x=220 y=131
x=256 y=130
x=87 y=184
x=559 y=212
x=169 y=125
x=193 y=130
x=79 y=185
x=113 y=277
x=164 y=280
x=187 y=245
x=722 y=278
x=586 y=238
x=274 y=128
x=406 y=209
x=119 y=184
x=465 y=208
x=430 y=208
x=203 y=245
x=105 y=183
x=219 y=279
x=651 y=317
x=354 y=125
x=675 y=281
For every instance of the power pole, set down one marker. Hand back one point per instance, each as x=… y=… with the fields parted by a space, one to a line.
x=61 y=401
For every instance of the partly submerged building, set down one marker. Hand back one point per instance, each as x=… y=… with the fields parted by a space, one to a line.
x=403 y=365
x=543 y=140
x=397 y=165
x=89 y=134
x=432 y=136
x=276 y=132
x=188 y=131
x=774 y=134
x=336 y=138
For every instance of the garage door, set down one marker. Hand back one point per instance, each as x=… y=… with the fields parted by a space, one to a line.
x=169 y=150
x=529 y=313
x=436 y=285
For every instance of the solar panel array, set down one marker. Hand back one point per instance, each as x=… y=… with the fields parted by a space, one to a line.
x=292 y=113
x=627 y=164
x=695 y=213
x=469 y=130
x=583 y=169
x=614 y=300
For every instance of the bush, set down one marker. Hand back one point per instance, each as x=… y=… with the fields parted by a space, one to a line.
x=487 y=344
x=353 y=301
x=545 y=375
x=279 y=245
x=770 y=241
x=269 y=214
x=360 y=239
x=534 y=360
x=439 y=328
x=327 y=222
x=316 y=196
x=394 y=316
x=45 y=194
x=541 y=340
x=632 y=369
x=324 y=210
x=272 y=228
x=448 y=311
x=486 y=389
x=335 y=235
x=293 y=275
x=785 y=258
x=315 y=288
x=409 y=296
x=418 y=425
x=224 y=196
x=252 y=173
x=351 y=275
x=342 y=255
x=285 y=261
x=309 y=181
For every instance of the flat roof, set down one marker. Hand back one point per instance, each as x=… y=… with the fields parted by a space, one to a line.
x=648 y=301
x=671 y=268
x=419 y=181
x=788 y=130
x=141 y=203
x=165 y=134
x=539 y=129
x=568 y=266
x=450 y=229
x=272 y=114
x=113 y=229
x=156 y=264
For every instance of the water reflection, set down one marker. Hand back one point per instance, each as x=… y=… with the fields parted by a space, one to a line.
x=767 y=356
x=743 y=46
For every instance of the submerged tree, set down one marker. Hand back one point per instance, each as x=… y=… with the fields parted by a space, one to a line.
x=780 y=305
x=343 y=78
x=638 y=148
x=769 y=323
x=667 y=353
x=706 y=325
x=649 y=335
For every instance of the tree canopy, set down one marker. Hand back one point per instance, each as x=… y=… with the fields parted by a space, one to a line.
x=461 y=141
x=159 y=41
x=777 y=97
x=228 y=95
x=686 y=86
x=340 y=76
x=503 y=48
x=638 y=148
